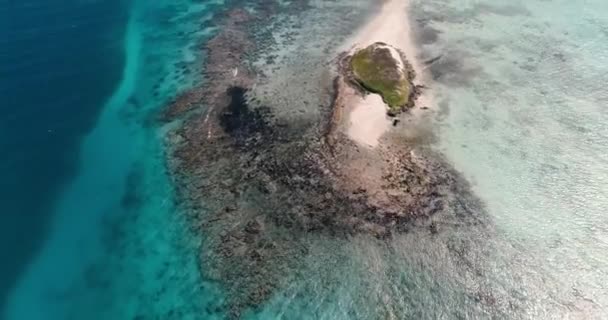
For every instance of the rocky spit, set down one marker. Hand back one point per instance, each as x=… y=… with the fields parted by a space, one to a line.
x=256 y=185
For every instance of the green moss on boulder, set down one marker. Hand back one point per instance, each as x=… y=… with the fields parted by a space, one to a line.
x=379 y=68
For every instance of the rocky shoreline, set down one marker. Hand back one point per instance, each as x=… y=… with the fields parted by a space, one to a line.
x=258 y=185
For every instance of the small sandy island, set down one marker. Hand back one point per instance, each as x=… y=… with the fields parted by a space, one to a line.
x=368 y=117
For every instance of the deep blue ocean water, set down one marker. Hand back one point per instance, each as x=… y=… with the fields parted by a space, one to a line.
x=59 y=61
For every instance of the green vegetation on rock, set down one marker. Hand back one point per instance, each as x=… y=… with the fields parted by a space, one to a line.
x=377 y=70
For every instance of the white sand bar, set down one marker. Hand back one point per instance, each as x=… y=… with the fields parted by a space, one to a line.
x=368 y=120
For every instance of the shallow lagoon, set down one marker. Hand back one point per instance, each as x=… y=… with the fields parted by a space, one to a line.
x=525 y=121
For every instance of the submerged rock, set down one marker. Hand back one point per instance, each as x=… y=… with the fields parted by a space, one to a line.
x=382 y=69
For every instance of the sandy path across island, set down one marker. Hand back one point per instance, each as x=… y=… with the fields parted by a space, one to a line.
x=368 y=119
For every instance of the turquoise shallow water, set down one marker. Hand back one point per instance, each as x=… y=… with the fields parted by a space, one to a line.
x=526 y=122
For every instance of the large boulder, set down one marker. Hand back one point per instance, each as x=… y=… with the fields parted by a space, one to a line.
x=382 y=69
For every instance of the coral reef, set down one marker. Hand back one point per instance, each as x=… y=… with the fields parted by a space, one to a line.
x=258 y=188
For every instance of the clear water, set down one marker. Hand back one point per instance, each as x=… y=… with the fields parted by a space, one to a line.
x=526 y=122
x=521 y=89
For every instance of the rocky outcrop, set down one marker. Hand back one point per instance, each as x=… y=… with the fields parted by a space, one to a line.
x=383 y=69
